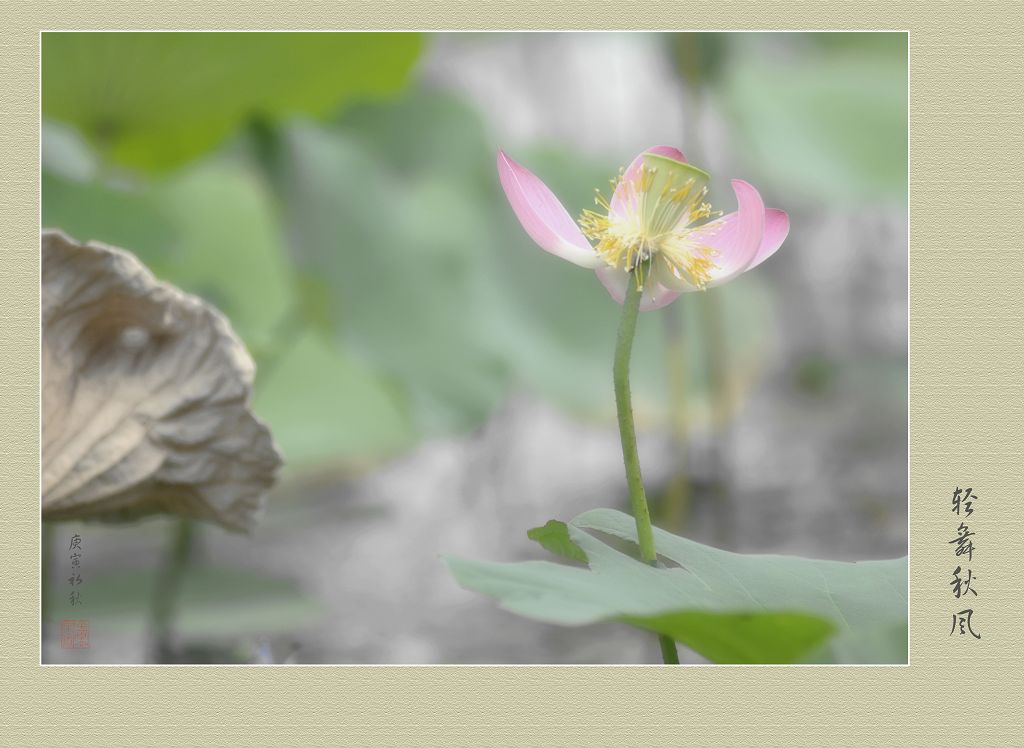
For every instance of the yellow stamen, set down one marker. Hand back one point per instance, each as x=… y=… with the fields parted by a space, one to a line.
x=691 y=263
x=639 y=230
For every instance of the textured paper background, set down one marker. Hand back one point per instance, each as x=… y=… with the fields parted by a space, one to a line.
x=966 y=411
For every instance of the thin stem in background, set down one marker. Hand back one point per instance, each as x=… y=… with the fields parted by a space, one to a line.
x=676 y=502
x=699 y=60
x=716 y=355
x=627 y=433
x=692 y=57
x=167 y=590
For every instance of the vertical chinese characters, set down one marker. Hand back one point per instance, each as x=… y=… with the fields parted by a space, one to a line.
x=963 y=579
x=74 y=633
x=75 y=556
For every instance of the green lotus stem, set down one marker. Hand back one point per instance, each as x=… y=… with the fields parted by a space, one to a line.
x=627 y=433
x=669 y=655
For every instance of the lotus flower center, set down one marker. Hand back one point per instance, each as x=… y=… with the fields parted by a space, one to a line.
x=648 y=227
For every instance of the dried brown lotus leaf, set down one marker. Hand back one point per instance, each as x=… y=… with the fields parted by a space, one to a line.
x=145 y=403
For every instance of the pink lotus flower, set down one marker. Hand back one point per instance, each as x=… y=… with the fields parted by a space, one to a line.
x=654 y=223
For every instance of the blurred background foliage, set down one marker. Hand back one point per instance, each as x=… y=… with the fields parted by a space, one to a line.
x=342 y=208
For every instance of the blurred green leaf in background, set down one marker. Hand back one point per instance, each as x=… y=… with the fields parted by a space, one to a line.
x=156 y=100
x=141 y=150
x=824 y=115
